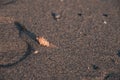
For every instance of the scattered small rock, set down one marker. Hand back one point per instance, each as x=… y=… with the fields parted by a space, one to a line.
x=112 y=76
x=36 y=52
x=56 y=16
x=106 y=15
x=105 y=22
x=95 y=67
x=118 y=53
x=80 y=14
x=81 y=33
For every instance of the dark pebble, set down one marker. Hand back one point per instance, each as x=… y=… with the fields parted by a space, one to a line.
x=56 y=16
x=112 y=76
x=106 y=15
x=79 y=14
x=118 y=53
x=95 y=67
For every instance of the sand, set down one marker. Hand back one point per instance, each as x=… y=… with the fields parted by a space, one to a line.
x=86 y=32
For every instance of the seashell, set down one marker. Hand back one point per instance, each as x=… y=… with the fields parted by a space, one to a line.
x=44 y=42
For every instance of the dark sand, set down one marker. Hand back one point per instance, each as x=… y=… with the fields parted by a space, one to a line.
x=87 y=34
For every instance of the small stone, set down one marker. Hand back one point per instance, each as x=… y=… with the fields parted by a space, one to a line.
x=106 y=15
x=80 y=14
x=35 y=52
x=56 y=16
x=81 y=32
x=112 y=76
x=95 y=67
x=118 y=53
x=105 y=22
x=88 y=68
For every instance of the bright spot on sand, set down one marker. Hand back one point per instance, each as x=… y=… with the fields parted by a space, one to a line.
x=35 y=52
x=105 y=22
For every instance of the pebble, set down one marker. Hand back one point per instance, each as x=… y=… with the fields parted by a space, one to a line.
x=105 y=22
x=95 y=67
x=106 y=15
x=79 y=14
x=36 y=52
x=56 y=16
x=118 y=53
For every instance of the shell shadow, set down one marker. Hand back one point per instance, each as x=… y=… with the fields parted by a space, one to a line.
x=27 y=53
x=22 y=29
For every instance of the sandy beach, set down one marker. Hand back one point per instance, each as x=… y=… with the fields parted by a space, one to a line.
x=59 y=40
